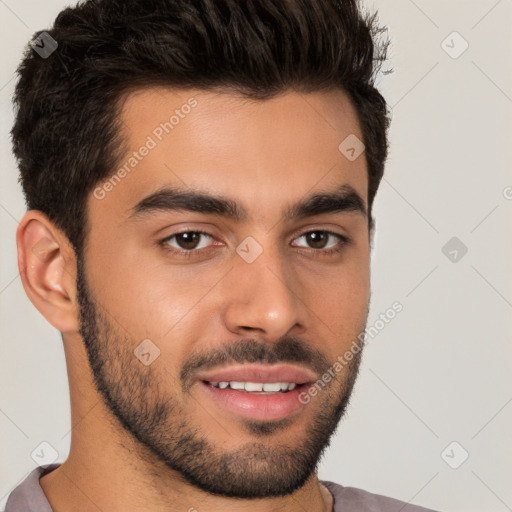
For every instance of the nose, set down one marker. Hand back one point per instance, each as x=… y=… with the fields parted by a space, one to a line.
x=263 y=299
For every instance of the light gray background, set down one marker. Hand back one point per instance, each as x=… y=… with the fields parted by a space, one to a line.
x=440 y=371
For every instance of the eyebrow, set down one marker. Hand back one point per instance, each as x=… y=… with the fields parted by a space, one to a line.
x=342 y=199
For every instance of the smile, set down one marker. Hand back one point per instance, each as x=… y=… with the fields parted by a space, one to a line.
x=255 y=391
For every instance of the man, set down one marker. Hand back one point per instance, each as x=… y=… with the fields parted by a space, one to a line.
x=200 y=177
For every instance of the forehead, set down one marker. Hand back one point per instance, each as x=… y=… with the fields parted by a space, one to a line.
x=256 y=151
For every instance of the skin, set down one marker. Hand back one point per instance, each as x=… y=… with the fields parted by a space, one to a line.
x=265 y=155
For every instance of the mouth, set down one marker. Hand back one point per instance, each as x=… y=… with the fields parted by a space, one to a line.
x=257 y=392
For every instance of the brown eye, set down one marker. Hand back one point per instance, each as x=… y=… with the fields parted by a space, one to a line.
x=188 y=240
x=317 y=239
x=321 y=239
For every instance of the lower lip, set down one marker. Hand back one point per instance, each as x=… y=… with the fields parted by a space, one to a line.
x=258 y=407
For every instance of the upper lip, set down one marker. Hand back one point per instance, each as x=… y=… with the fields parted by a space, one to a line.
x=281 y=372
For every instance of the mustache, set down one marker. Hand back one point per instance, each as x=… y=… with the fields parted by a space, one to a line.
x=286 y=350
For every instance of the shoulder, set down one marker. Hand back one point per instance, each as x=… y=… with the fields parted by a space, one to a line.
x=351 y=498
x=28 y=496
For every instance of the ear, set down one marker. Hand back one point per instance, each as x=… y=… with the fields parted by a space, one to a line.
x=47 y=266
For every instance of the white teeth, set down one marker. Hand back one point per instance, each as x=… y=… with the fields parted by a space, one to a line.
x=256 y=387
x=271 y=386
x=253 y=386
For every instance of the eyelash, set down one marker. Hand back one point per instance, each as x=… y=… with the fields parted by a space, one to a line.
x=316 y=252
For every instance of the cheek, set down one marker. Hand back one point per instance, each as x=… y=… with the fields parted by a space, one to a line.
x=339 y=300
x=165 y=302
x=342 y=307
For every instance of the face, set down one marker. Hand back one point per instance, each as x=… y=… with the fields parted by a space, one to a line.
x=226 y=270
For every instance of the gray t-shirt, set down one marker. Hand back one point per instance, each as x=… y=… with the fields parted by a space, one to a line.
x=29 y=497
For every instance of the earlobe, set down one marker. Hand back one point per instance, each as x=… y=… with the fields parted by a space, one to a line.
x=47 y=268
